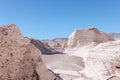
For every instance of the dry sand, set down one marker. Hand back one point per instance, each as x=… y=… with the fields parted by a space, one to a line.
x=67 y=66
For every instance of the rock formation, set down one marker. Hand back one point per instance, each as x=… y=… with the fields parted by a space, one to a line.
x=58 y=44
x=19 y=59
x=82 y=37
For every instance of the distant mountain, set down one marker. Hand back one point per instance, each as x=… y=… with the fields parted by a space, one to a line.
x=116 y=35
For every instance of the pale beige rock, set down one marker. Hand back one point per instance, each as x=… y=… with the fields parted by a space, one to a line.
x=19 y=59
x=103 y=61
x=83 y=37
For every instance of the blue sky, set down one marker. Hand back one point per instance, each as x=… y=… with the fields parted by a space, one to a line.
x=47 y=19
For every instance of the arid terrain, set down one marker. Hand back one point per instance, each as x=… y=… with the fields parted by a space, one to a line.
x=87 y=54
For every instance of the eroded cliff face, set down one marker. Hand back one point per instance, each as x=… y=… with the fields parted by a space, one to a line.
x=19 y=59
x=83 y=37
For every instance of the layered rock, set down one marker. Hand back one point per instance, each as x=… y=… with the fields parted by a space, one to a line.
x=19 y=59
x=82 y=37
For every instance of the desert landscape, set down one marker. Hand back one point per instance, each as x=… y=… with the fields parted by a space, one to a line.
x=59 y=39
x=87 y=54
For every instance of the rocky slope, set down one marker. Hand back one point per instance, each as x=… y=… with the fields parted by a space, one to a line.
x=19 y=59
x=50 y=47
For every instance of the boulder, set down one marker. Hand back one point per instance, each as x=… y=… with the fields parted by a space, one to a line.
x=19 y=59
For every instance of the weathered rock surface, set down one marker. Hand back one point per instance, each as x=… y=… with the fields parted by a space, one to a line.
x=83 y=37
x=19 y=59
x=103 y=61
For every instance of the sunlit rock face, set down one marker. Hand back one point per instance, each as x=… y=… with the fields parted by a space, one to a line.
x=19 y=59
x=83 y=37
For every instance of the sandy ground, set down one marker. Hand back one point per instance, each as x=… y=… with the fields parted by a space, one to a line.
x=67 y=66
